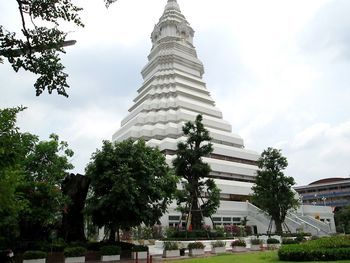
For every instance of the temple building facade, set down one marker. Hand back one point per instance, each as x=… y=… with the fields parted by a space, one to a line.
x=173 y=92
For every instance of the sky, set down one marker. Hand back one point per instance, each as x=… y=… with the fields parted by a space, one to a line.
x=279 y=70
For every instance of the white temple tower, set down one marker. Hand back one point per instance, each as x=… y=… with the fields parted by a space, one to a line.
x=173 y=92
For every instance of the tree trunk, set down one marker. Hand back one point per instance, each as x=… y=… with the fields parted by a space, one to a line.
x=76 y=188
x=111 y=237
x=278 y=224
x=195 y=212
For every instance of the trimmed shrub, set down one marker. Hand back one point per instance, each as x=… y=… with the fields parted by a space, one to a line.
x=218 y=243
x=74 y=251
x=323 y=249
x=196 y=245
x=34 y=254
x=238 y=243
x=272 y=241
x=110 y=250
x=139 y=248
x=169 y=245
x=256 y=241
x=288 y=241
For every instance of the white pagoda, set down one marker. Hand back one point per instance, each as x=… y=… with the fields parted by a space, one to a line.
x=173 y=92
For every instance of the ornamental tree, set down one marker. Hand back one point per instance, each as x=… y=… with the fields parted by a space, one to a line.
x=273 y=190
x=130 y=184
x=190 y=166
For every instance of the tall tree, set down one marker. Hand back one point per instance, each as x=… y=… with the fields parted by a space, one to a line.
x=45 y=167
x=31 y=172
x=38 y=48
x=273 y=190
x=342 y=220
x=130 y=184
x=189 y=165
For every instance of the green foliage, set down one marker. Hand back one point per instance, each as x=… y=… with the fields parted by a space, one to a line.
x=256 y=241
x=196 y=245
x=238 y=243
x=169 y=245
x=131 y=184
x=218 y=243
x=30 y=175
x=189 y=165
x=323 y=249
x=34 y=254
x=272 y=241
x=139 y=248
x=342 y=220
x=110 y=250
x=289 y=241
x=74 y=252
x=38 y=49
x=273 y=190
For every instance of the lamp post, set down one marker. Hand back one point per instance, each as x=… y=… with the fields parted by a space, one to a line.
x=301 y=204
x=324 y=200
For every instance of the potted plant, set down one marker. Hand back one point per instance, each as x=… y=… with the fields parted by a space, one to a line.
x=139 y=251
x=171 y=249
x=196 y=248
x=74 y=254
x=110 y=253
x=238 y=245
x=218 y=247
x=34 y=256
x=255 y=244
x=273 y=243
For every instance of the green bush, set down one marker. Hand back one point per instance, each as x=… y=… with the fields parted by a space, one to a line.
x=196 y=245
x=34 y=254
x=170 y=245
x=238 y=243
x=110 y=250
x=323 y=249
x=218 y=243
x=139 y=248
x=272 y=241
x=94 y=245
x=256 y=241
x=289 y=241
x=74 y=251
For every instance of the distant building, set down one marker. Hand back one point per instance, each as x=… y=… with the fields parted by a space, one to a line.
x=334 y=192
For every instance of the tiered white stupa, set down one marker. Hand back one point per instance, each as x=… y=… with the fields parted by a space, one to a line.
x=173 y=92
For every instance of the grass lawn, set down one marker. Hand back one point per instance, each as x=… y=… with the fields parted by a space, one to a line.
x=259 y=257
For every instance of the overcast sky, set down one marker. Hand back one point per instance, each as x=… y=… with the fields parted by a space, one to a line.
x=278 y=69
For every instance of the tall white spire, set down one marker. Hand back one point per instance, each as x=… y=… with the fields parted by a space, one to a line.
x=173 y=92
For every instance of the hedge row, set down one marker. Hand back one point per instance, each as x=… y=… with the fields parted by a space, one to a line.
x=323 y=249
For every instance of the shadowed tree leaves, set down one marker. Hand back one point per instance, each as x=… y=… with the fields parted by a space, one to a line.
x=273 y=190
x=37 y=49
x=131 y=184
x=189 y=165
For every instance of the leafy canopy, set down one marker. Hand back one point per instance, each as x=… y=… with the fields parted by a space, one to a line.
x=189 y=165
x=131 y=184
x=37 y=49
x=30 y=175
x=273 y=190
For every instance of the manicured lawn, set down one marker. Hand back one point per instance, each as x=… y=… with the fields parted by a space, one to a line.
x=259 y=257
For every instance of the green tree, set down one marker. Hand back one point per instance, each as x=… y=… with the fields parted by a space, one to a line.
x=342 y=220
x=38 y=48
x=45 y=167
x=131 y=184
x=30 y=175
x=273 y=190
x=189 y=165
